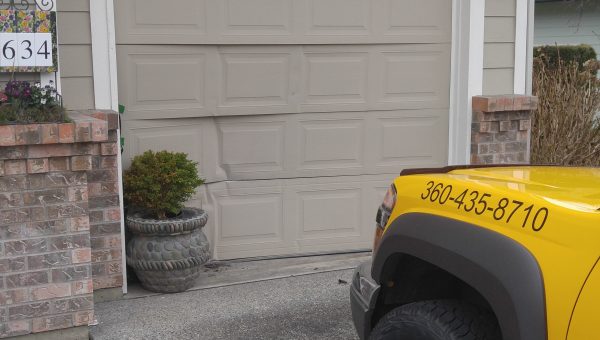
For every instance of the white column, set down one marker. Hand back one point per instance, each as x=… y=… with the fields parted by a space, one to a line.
x=104 y=54
x=521 y=40
x=468 y=18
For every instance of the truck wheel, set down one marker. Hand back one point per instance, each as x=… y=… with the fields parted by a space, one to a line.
x=437 y=320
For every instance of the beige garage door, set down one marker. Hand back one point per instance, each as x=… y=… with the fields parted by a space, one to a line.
x=300 y=112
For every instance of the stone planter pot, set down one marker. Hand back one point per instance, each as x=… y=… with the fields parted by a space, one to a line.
x=167 y=254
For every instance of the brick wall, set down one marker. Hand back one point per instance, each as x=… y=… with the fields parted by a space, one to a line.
x=105 y=211
x=501 y=129
x=54 y=179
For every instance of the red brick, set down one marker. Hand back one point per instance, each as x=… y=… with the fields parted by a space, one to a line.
x=505 y=125
x=46 y=151
x=66 y=133
x=59 y=163
x=505 y=103
x=81 y=255
x=50 y=323
x=51 y=291
x=83 y=318
x=28 y=134
x=49 y=133
x=83 y=131
x=16 y=167
x=80 y=223
x=37 y=166
x=10 y=297
x=81 y=163
x=19 y=327
x=7 y=135
x=78 y=194
x=94 y=189
x=108 y=162
x=112 y=215
x=82 y=287
x=99 y=131
x=524 y=124
x=115 y=268
x=112 y=241
x=109 y=149
x=108 y=281
x=484 y=103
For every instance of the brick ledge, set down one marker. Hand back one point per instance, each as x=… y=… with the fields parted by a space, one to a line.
x=512 y=102
x=87 y=126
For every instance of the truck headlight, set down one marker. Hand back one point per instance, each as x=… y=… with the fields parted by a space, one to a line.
x=383 y=214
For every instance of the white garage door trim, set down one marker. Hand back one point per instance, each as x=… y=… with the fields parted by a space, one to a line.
x=466 y=75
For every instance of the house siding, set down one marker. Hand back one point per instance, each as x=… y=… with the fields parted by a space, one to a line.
x=499 y=47
x=75 y=43
x=565 y=23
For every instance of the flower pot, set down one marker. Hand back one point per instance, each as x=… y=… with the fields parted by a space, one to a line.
x=167 y=254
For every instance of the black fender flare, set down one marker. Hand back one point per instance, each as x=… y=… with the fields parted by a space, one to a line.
x=502 y=270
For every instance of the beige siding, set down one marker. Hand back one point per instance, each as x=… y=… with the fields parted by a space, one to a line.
x=499 y=47
x=567 y=23
x=75 y=40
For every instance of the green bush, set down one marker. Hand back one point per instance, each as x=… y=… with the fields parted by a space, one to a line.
x=551 y=54
x=161 y=182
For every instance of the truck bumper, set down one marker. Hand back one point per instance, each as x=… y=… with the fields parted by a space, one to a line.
x=363 y=298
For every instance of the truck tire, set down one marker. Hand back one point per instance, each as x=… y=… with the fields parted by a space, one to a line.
x=437 y=320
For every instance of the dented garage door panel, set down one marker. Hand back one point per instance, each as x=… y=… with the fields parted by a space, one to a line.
x=299 y=121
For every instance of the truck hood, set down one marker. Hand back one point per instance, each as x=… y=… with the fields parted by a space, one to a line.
x=573 y=188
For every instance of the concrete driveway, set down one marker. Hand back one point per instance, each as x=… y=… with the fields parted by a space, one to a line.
x=312 y=306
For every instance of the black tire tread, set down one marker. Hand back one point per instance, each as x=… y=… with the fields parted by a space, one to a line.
x=441 y=319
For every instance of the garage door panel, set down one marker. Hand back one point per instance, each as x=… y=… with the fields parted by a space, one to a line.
x=428 y=19
x=160 y=82
x=195 y=81
x=338 y=17
x=334 y=78
x=255 y=81
x=251 y=17
x=331 y=144
x=215 y=22
x=412 y=77
x=158 y=21
x=252 y=147
x=410 y=141
x=316 y=215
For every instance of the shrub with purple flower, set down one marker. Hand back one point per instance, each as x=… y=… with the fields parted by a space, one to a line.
x=22 y=103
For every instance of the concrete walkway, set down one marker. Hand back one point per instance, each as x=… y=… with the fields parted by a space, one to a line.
x=296 y=298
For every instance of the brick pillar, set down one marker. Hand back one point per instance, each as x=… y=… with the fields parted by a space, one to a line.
x=501 y=129
x=48 y=172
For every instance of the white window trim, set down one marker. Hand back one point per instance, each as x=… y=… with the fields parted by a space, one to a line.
x=466 y=75
x=106 y=97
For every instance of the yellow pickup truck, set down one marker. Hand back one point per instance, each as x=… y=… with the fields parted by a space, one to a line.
x=501 y=252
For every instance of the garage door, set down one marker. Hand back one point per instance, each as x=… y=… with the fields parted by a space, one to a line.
x=300 y=112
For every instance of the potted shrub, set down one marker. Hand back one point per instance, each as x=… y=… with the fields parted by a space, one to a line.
x=168 y=245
